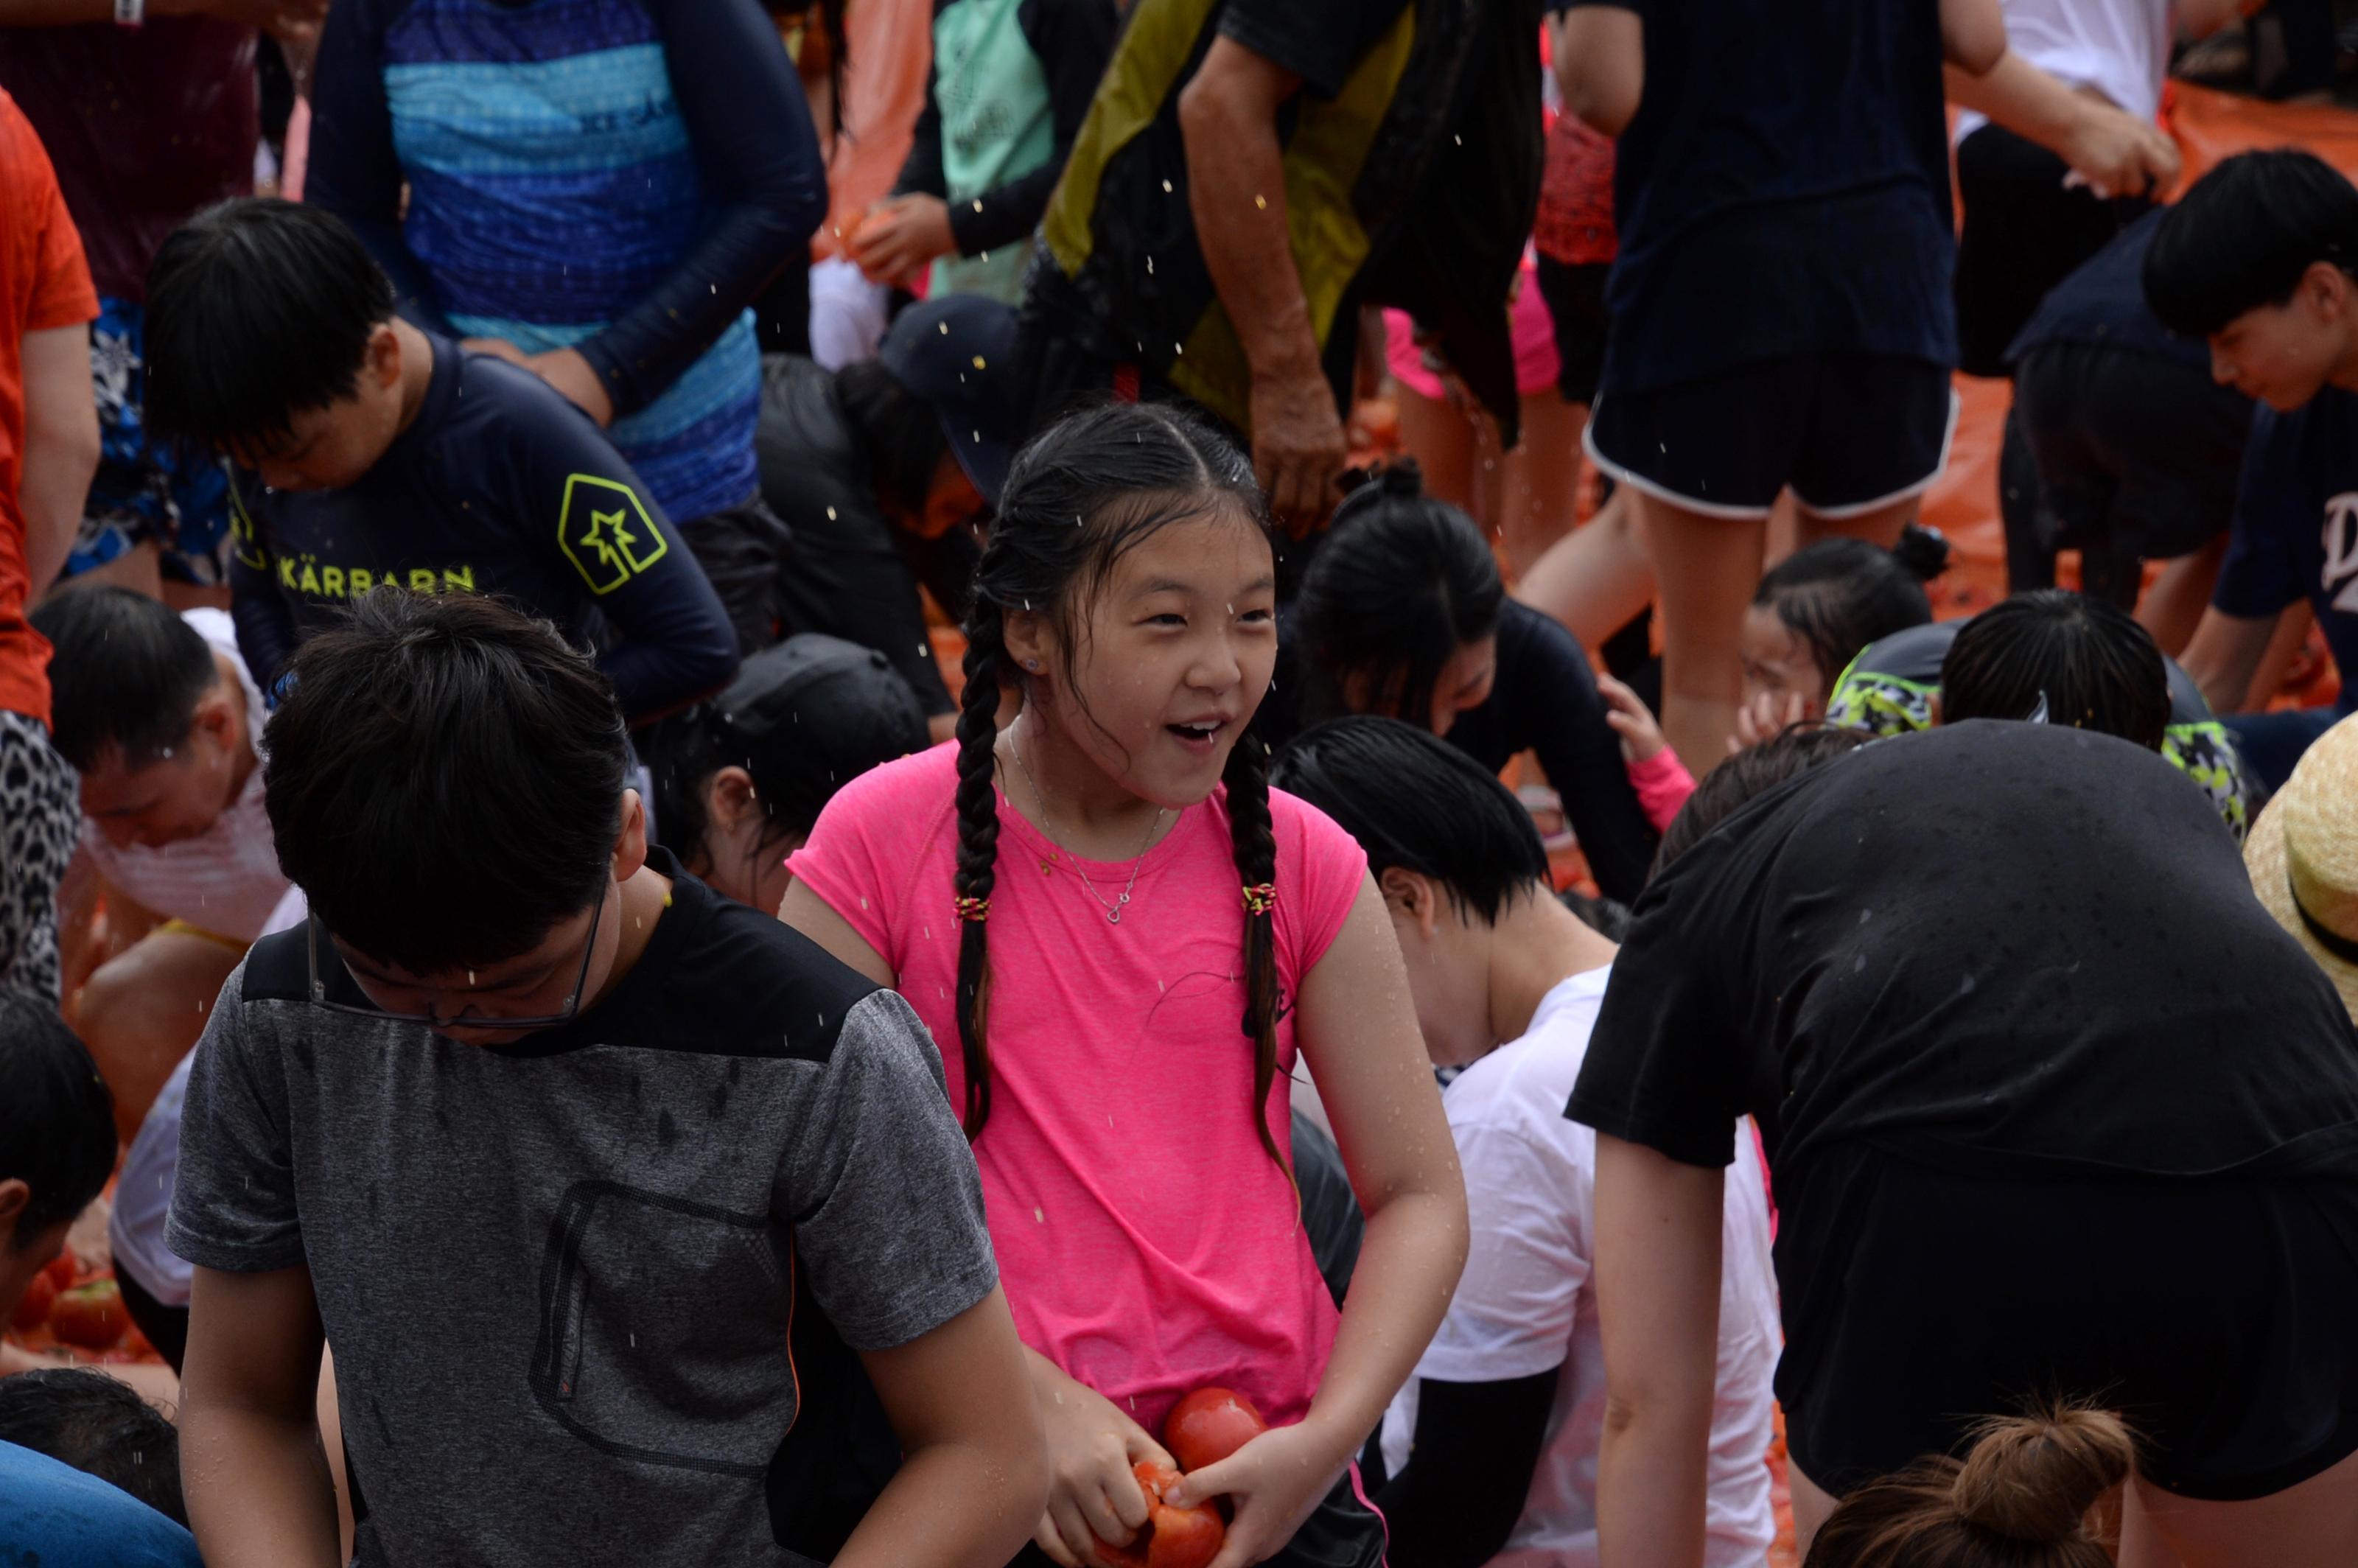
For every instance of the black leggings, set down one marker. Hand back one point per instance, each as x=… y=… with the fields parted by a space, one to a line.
x=167 y=1327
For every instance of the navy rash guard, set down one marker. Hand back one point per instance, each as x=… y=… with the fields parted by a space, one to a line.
x=498 y=485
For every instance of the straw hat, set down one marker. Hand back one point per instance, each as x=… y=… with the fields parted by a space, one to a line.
x=2303 y=856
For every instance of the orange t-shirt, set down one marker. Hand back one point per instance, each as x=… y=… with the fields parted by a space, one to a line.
x=44 y=283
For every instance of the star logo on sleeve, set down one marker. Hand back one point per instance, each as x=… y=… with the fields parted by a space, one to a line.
x=604 y=530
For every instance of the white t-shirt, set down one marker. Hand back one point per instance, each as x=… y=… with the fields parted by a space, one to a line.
x=1526 y=1303
x=225 y=880
x=143 y=1197
x=2120 y=48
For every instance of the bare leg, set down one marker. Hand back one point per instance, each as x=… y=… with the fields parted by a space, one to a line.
x=1442 y=439
x=2312 y=1525
x=137 y=568
x=2175 y=602
x=1596 y=578
x=1540 y=484
x=142 y=1013
x=1707 y=568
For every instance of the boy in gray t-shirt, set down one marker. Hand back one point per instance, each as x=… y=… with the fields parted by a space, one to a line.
x=642 y=1229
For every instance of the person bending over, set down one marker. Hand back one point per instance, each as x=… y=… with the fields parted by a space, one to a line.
x=1402 y=613
x=734 y=1282
x=2261 y=259
x=739 y=780
x=163 y=722
x=376 y=454
x=1499 y=1431
x=2061 y=1022
x=2022 y=1497
x=2060 y=658
x=884 y=471
x=100 y=1427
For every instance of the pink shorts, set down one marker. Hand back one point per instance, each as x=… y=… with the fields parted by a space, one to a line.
x=1534 y=334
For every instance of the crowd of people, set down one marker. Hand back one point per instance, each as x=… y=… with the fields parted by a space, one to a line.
x=782 y=781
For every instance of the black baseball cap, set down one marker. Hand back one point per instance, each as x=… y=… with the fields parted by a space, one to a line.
x=956 y=352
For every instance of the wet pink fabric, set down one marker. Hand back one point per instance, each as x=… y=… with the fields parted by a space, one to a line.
x=1148 y=1244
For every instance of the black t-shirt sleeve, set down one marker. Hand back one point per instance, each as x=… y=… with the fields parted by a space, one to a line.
x=354 y=171
x=1553 y=705
x=1071 y=40
x=1318 y=41
x=1664 y=1067
x=758 y=153
x=611 y=541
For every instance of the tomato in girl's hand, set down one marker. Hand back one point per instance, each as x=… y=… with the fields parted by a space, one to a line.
x=33 y=1310
x=1208 y=1425
x=60 y=1271
x=1172 y=1537
x=91 y=1316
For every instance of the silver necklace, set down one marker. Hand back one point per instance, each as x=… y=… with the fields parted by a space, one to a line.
x=1048 y=827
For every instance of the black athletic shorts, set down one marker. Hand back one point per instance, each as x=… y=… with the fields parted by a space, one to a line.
x=1574 y=295
x=1848 y=433
x=2214 y=1314
x=2132 y=450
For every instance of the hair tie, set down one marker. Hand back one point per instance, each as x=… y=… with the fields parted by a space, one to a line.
x=974 y=908
x=1260 y=897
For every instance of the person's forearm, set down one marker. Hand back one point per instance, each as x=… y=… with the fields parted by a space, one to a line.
x=2020 y=97
x=259 y=1489
x=59 y=463
x=1651 y=1492
x=2224 y=655
x=1236 y=188
x=1409 y=1258
x=949 y=1506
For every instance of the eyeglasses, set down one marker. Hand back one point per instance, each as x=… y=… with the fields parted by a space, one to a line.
x=320 y=998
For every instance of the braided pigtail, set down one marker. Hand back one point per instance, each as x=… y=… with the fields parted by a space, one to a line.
x=977 y=850
x=1255 y=847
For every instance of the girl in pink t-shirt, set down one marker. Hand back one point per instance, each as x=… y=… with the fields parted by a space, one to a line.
x=1127 y=933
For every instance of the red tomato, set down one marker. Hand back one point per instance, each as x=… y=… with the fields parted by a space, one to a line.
x=60 y=1271
x=33 y=1310
x=91 y=1316
x=1208 y=1425
x=1174 y=1537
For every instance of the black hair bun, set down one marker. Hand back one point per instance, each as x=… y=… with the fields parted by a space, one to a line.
x=1923 y=551
x=1401 y=478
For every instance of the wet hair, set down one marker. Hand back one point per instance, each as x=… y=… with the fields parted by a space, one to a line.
x=1086 y=491
x=902 y=432
x=444 y=779
x=1839 y=595
x=126 y=678
x=1401 y=583
x=2019 y=1498
x=2087 y=660
x=2245 y=235
x=1414 y=801
x=1753 y=772
x=861 y=715
x=57 y=1119
x=99 y=1426
x=257 y=309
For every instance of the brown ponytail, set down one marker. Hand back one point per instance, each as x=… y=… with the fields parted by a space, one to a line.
x=2019 y=1498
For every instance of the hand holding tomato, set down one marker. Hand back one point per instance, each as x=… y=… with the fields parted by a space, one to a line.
x=1174 y=1537
x=1271 y=1484
x=1094 y=1497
